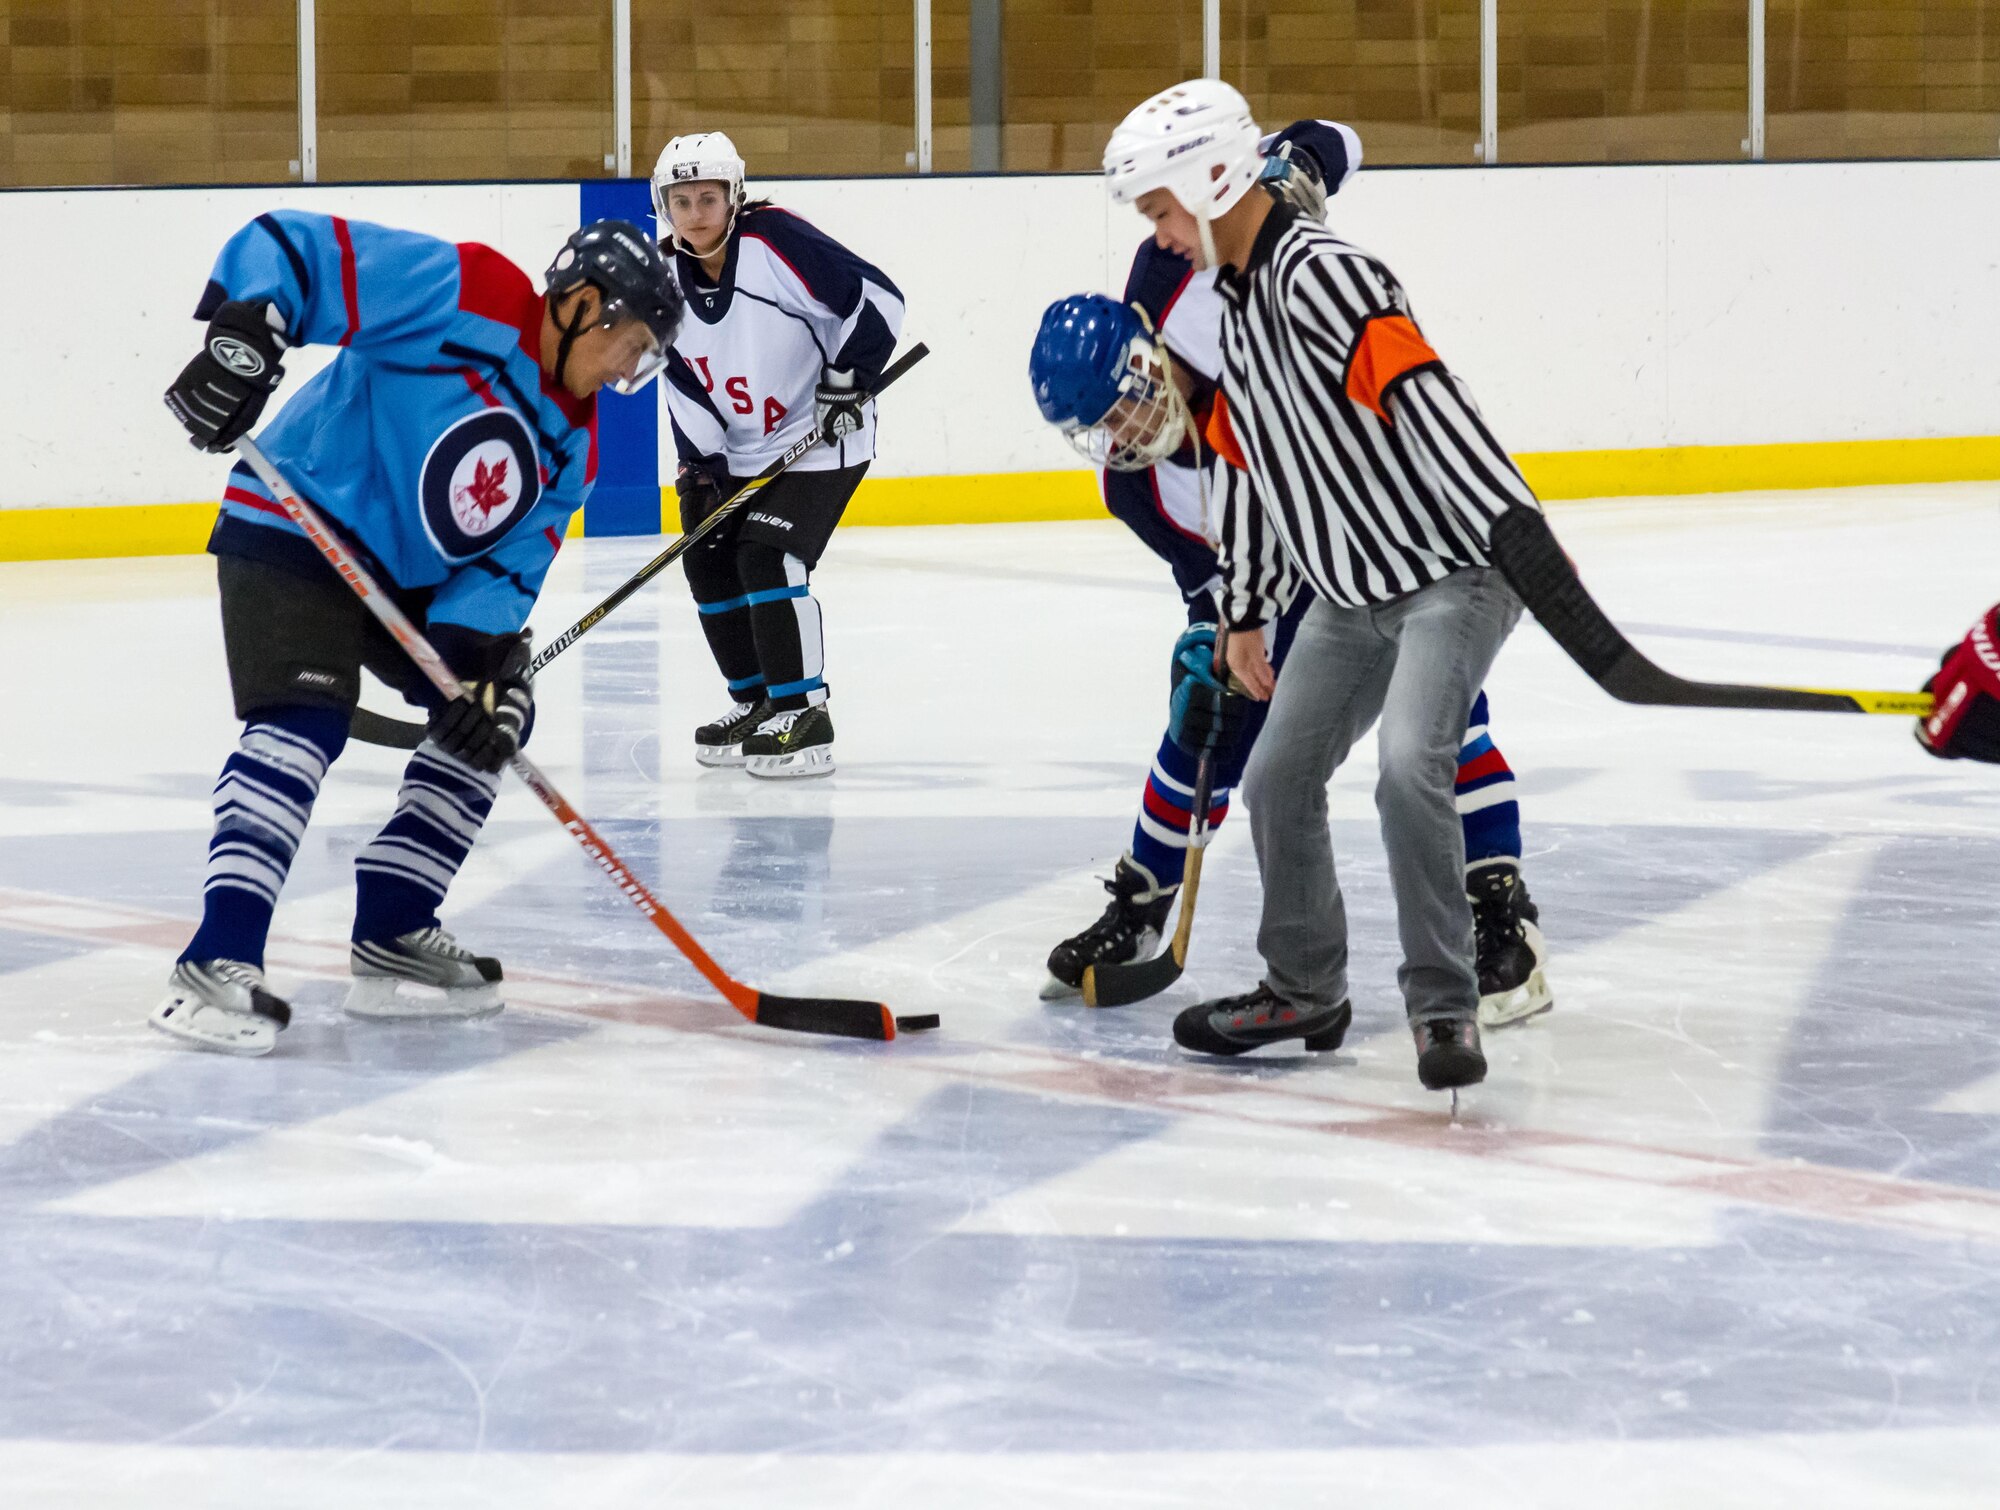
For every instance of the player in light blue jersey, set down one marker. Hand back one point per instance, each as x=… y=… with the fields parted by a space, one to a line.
x=449 y=442
x=1171 y=317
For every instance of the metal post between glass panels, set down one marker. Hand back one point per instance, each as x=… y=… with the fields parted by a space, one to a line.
x=923 y=90
x=1487 y=148
x=620 y=162
x=308 y=164
x=1755 y=144
x=1211 y=39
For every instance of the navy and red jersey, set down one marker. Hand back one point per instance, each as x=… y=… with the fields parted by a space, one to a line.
x=433 y=438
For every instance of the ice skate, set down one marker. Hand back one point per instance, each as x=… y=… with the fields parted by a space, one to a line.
x=1448 y=1054
x=426 y=973
x=222 y=1005
x=788 y=745
x=1129 y=930
x=721 y=743
x=1512 y=985
x=1233 y=1025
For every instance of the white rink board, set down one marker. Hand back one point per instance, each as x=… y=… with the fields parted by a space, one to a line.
x=1591 y=308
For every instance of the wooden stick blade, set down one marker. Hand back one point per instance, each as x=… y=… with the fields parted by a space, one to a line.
x=1121 y=985
x=831 y=1016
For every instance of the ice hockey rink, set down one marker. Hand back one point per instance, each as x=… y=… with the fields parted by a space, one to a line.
x=1723 y=1230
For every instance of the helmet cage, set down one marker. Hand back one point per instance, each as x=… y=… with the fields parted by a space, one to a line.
x=1147 y=422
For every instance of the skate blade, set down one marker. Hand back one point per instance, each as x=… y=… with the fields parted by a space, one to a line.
x=817 y=761
x=1057 y=989
x=718 y=757
x=385 y=998
x=211 y=1028
x=1505 y=1008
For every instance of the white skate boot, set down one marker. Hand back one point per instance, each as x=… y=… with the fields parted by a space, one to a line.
x=422 y=974
x=222 y=1005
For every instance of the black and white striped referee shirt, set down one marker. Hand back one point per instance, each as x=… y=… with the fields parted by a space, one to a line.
x=1372 y=472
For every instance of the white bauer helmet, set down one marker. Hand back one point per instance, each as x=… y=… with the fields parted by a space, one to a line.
x=703 y=157
x=1176 y=141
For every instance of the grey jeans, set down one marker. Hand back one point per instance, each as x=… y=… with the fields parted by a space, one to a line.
x=1416 y=663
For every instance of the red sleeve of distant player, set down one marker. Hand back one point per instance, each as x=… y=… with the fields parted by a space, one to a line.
x=1221 y=435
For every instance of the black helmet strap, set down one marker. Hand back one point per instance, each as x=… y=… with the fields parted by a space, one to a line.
x=570 y=331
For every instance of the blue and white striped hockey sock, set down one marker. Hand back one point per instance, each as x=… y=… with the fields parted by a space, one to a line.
x=263 y=800
x=402 y=874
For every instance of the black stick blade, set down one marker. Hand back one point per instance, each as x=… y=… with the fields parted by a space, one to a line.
x=1526 y=551
x=1121 y=985
x=392 y=733
x=832 y=1016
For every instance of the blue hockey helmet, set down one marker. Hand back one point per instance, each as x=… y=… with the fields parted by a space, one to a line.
x=1101 y=378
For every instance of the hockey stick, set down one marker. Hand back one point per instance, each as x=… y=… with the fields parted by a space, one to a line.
x=1121 y=985
x=401 y=735
x=802 y=1014
x=1526 y=552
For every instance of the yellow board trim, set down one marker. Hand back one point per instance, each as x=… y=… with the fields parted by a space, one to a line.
x=170 y=529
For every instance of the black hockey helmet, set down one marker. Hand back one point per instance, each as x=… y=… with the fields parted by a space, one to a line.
x=635 y=280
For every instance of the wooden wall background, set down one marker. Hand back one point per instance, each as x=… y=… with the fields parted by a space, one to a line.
x=165 y=91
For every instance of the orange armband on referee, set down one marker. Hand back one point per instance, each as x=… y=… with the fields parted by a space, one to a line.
x=1221 y=435
x=1390 y=347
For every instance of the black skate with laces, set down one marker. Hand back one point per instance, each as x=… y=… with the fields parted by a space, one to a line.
x=1128 y=930
x=1507 y=938
x=721 y=743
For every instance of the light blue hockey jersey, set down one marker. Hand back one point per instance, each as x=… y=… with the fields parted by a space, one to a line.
x=432 y=439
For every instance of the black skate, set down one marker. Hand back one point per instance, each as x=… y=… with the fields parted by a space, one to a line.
x=797 y=742
x=721 y=743
x=1506 y=935
x=1129 y=929
x=1448 y=1053
x=1235 y=1025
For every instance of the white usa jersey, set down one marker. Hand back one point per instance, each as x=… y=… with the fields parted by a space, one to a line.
x=791 y=300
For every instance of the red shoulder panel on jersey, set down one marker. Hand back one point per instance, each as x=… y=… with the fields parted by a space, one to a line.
x=491 y=286
x=350 y=283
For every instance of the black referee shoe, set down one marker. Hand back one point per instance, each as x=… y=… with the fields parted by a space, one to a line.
x=1234 y=1025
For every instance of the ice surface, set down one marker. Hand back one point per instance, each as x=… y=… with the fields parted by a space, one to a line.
x=1722 y=1230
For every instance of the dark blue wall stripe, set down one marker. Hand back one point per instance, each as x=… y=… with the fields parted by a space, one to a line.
x=626 y=500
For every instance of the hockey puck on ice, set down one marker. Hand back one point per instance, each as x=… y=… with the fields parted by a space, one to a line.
x=920 y=1023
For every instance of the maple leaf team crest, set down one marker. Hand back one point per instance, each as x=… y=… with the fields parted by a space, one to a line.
x=480 y=479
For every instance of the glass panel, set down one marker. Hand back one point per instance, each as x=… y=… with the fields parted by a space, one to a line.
x=148 y=91
x=1035 y=86
x=1402 y=73
x=1591 y=81
x=817 y=86
x=1882 y=78
x=419 y=89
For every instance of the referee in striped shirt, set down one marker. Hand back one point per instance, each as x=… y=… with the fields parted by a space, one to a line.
x=1374 y=481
